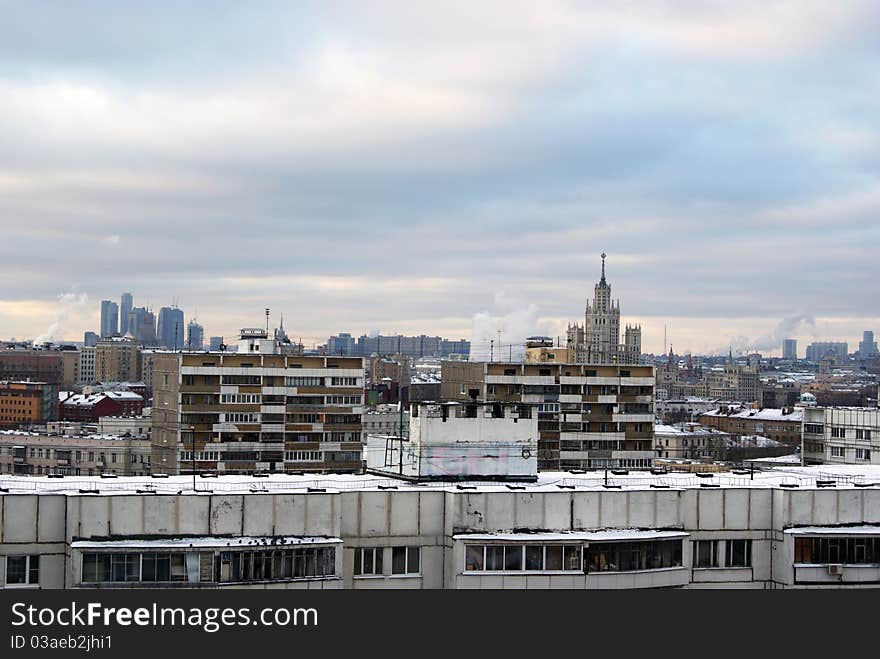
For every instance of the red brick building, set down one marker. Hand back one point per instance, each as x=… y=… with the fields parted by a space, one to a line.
x=90 y=407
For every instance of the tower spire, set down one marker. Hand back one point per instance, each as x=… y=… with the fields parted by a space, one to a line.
x=603 y=266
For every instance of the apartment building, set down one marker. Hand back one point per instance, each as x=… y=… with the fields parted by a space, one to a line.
x=589 y=416
x=779 y=424
x=34 y=454
x=841 y=435
x=257 y=409
x=25 y=403
x=21 y=364
x=800 y=528
x=117 y=359
x=86 y=366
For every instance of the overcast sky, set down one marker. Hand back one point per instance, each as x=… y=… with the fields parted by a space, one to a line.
x=444 y=168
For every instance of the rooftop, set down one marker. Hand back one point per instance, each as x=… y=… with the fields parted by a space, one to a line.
x=825 y=476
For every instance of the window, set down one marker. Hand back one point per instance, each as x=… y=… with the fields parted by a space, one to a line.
x=344 y=382
x=518 y=558
x=838 y=432
x=705 y=553
x=632 y=556
x=813 y=428
x=739 y=553
x=406 y=560
x=837 y=451
x=843 y=550
x=863 y=454
x=23 y=570
x=863 y=434
x=368 y=561
x=305 y=381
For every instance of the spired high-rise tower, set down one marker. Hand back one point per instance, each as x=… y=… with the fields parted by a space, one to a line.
x=597 y=341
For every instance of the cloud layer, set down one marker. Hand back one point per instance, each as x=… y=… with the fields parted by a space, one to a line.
x=367 y=166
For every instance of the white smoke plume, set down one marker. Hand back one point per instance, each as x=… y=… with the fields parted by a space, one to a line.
x=516 y=319
x=787 y=328
x=69 y=304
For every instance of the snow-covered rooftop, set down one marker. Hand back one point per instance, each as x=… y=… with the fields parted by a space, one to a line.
x=805 y=477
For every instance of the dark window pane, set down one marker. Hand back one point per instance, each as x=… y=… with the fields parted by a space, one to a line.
x=534 y=557
x=513 y=558
x=398 y=560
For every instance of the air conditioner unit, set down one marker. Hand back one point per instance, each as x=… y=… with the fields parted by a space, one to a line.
x=835 y=569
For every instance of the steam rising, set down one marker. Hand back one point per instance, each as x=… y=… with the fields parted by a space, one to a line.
x=69 y=304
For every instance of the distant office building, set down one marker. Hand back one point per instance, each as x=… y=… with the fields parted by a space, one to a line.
x=142 y=326
x=789 y=349
x=109 y=318
x=90 y=339
x=170 y=328
x=215 y=343
x=124 y=311
x=816 y=352
x=597 y=341
x=409 y=346
x=867 y=346
x=341 y=344
x=195 y=336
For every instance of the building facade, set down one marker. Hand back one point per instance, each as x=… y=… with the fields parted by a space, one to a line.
x=597 y=341
x=125 y=305
x=789 y=350
x=117 y=359
x=781 y=425
x=835 y=351
x=589 y=417
x=109 y=318
x=841 y=435
x=791 y=530
x=27 y=403
x=36 y=455
x=256 y=410
x=170 y=328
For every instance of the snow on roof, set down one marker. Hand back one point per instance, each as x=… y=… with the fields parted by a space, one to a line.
x=804 y=477
x=204 y=541
x=605 y=535
x=89 y=400
x=766 y=414
x=832 y=530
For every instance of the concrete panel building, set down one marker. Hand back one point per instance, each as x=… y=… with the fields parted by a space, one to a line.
x=589 y=416
x=256 y=409
x=86 y=455
x=841 y=435
x=797 y=528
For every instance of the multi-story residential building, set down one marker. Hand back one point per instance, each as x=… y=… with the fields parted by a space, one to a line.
x=689 y=441
x=342 y=344
x=806 y=528
x=89 y=407
x=88 y=455
x=125 y=305
x=22 y=364
x=789 y=350
x=121 y=426
x=27 y=403
x=86 y=366
x=70 y=356
x=117 y=359
x=841 y=435
x=256 y=409
x=589 y=416
x=597 y=341
x=109 y=318
x=739 y=382
x=782 y=425
x=170 y=328
x=836 y=351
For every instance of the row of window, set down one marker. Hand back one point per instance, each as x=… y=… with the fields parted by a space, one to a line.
x=244 y=399
x=840 y=452
x=369 y=561
x=858 y=551
x=706 y=553
x=67 y=454
x=223 y=566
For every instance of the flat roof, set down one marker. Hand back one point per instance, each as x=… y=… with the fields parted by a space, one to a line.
x=204 y=541
x=845 y=476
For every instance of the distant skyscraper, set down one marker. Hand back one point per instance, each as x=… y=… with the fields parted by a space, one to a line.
x=789 y=349
x=124 y=311
x=195 y=336
x=597 y=341
x=215 y=343
x=90 y=339
x=109 y=318
x=170 y=328
x=827 y=349
x=867 y=346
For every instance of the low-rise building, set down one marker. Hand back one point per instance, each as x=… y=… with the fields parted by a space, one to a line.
x=781 y=425
x=91 y=407
x=31 y=454
x=27 y=403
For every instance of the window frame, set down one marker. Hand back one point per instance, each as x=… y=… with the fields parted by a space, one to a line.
x=31 y=570
x=408 y=549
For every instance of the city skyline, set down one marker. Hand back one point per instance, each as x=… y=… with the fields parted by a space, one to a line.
x=723 y=156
